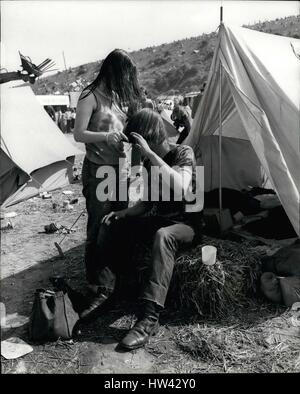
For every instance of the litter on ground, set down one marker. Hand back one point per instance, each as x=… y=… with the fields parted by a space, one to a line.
x=6 y=225
x=15 y=320
x=14 y=348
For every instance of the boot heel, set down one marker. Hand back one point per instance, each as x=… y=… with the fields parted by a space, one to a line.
x=155 y=330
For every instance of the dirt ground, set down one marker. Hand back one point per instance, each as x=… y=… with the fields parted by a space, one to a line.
x=29 y=258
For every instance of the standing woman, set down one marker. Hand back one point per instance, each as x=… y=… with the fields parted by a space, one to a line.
x=100 y=118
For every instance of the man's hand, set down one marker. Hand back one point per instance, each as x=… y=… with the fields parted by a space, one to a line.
x=107 y=219
x=142 y=144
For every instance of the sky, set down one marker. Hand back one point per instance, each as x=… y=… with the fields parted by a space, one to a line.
x=87 y=31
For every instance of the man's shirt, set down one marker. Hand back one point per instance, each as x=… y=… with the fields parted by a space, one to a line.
x=179 y=156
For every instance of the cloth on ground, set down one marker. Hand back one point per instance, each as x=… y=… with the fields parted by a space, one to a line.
x=285 y=262
x=234 y=200
x=268 y=201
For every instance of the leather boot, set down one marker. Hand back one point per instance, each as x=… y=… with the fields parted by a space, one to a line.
x=94 y=307
x=140 y=334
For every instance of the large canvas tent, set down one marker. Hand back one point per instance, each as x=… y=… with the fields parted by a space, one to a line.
x=259 y=86
x=34 y=153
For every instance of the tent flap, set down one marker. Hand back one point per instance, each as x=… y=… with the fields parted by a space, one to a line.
x=28 y=134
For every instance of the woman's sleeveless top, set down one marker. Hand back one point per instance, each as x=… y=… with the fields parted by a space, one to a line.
x=99 y=152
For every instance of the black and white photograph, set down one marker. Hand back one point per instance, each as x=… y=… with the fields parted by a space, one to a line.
x=150 y=190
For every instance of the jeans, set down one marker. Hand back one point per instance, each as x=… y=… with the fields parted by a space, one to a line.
x=96 y=210
x=116 y=244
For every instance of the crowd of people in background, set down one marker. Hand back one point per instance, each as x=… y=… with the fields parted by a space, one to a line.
x=183 y=112
x=63 y=117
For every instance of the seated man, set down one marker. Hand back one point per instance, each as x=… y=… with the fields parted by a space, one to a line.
x=171 y=222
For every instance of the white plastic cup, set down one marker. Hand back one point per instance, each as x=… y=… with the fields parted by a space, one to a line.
x=209 y=254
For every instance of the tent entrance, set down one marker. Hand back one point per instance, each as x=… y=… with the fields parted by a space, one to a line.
x=260 y=116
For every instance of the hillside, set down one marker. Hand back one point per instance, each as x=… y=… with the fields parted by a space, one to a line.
x=173 y=68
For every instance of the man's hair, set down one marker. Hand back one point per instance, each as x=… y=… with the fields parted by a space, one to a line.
x=149 y=125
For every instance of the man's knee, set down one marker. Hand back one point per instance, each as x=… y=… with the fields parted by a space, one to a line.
x=164 y=239
x=116 y=233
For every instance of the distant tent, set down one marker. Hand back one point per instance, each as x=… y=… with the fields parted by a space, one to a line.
x=260 y=115
x=53 y=99
x=34 y=153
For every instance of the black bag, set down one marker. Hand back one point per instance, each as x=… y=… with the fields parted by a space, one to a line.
x=52 y=316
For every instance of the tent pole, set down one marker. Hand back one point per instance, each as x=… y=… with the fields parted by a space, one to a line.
x=220 y=147
x=63 y=53
x=220 y=135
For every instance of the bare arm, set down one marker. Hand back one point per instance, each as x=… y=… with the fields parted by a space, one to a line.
x=180 y=178
x=84 y=111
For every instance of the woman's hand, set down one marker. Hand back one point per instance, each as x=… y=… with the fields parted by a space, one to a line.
x=142 y=144
x=114 y=138
x=107 y=219
x=113 y=127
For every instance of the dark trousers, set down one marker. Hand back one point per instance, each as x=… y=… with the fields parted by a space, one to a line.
x=96 y=210
x=116 y=244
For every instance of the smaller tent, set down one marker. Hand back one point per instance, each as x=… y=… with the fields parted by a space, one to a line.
x=34 y=153
x=53 y=99
x=259 y=76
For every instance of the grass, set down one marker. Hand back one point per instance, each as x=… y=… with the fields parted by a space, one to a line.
x=232 y=345
x=259 y=339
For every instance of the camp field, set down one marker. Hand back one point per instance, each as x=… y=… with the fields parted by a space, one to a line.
x=215 y=319
x=257 y=337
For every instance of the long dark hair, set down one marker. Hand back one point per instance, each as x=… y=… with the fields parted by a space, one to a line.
x=148 y=124
x=118 y=74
